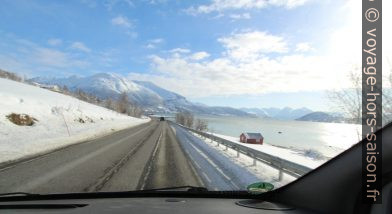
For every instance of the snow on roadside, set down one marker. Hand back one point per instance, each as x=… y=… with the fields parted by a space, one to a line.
x=309 y=158
x=261 y=170
x=62 y=120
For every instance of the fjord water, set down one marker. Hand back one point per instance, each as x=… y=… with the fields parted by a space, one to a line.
x=326 y=138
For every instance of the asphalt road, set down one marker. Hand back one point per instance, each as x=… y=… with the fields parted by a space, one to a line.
x=149 y=156
x=143 y=157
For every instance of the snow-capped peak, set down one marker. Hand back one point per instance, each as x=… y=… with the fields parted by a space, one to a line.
x=113 y=82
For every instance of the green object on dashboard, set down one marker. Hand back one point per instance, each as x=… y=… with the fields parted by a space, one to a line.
x=260 y=187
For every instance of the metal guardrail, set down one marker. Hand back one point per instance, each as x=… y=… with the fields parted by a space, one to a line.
x=284 y=166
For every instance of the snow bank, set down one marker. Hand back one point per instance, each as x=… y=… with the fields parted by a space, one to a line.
x=241 y=166
x=309 y=158
x=62 y=120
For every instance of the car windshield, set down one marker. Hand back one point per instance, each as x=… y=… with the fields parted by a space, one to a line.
x=210 y=95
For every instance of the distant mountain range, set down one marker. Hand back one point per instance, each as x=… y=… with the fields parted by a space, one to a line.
x=286 y=113
x=151 y=97
x=321 y=117
x=155 y=99
x=300 y=114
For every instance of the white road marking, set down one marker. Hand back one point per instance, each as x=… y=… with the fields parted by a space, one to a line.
x=235 y=185
x=150 y=166
x=208 y=179
x=174 y=130
x=198 y=166
x=211 y=162
x=194 y=162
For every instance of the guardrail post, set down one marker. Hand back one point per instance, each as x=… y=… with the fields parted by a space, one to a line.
x=280 y=175
x=238 y=153
x=254 y=161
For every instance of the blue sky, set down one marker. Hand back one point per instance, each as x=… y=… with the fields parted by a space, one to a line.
x=242 y=53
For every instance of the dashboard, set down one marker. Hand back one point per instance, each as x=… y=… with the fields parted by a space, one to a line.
x=151 y=205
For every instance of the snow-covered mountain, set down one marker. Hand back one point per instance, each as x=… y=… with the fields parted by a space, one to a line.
x=286 y=113
x=146 y=94
x=106 y=85
x=321 y=117
x=256 y=111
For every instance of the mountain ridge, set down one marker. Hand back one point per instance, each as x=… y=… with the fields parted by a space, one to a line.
x=285 y=113
x=151 y=97
x=318 y=116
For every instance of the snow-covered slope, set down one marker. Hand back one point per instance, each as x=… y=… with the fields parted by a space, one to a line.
x=54 y=113
x=145 y=94
x=105 y=85
x=165 y=94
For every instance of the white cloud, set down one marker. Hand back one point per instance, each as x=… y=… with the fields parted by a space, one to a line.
x=154 y=42
x=218 y=16
x=150 y=46
x=200 y=55
x=222 y=76
x=55 y=42
x=244 y=68
x=258 y=62
x=51 y=57
x=222 y=5
x=157 y=41
x=303 y=47
x=126 y=24
x=55 y=58
x=157 y=1
x=121 y=21
x=110 y=4
x=240 y=16
x=38 y=58
x=80 y=46
x=180 y=50
x=89 y=3
x=251 y=45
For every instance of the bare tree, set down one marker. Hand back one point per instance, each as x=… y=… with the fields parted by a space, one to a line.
x=201 y=125
x=123 y=103
x=65 y=90
x=349 y=101
x=180 y=118
x=109 y=103
x=10 y=75
x=138 y=112
x=135 y=111
x=185 y=119
x=189 y=119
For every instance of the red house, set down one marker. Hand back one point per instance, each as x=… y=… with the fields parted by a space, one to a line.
x=254 y=138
